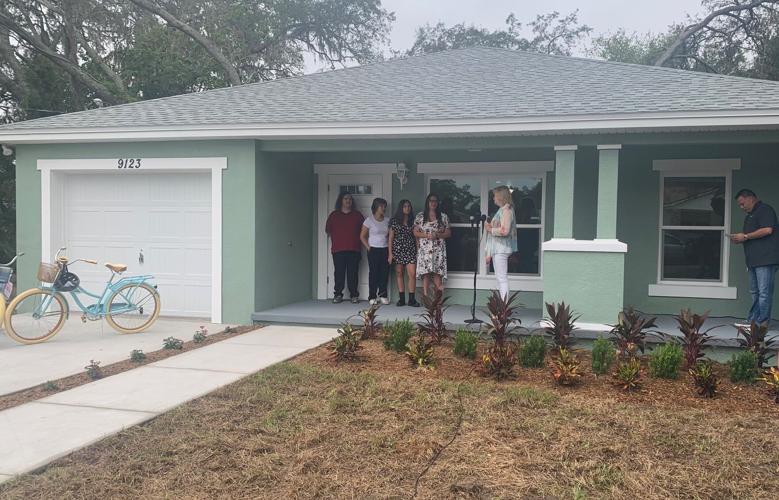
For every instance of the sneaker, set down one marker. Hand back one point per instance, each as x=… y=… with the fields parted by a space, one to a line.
x=384 y=300
x=355 y=300
x=745 y=326
x=373 y=302
x=413 y=303
x=338 y=299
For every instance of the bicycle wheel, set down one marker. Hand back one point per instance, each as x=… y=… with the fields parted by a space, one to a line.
x=35 y=316
x=133 y=308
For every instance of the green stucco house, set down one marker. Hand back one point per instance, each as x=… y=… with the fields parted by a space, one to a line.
x=623 y=178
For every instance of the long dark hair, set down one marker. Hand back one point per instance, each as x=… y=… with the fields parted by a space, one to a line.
x=399 y=213
x=340 y=200
x=427 y=208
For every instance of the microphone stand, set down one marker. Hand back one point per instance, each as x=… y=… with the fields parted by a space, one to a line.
x=473 y=319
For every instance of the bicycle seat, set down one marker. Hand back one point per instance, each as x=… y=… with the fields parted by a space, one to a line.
x=117 y=268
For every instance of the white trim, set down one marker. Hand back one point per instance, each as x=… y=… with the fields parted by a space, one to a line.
x=479 y=168
x=602 y=147
x=323 y=171
x=487 y=282
x=622 y=122
x=572 y=245
x=583 y=327
x=566 y=148
x=215 y=165
x=696 y=290
x=692 y=166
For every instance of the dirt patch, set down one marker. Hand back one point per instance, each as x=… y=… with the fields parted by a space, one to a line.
x=313 y=428
x=63 y=384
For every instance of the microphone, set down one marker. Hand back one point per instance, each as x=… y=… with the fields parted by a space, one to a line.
x=482 y=218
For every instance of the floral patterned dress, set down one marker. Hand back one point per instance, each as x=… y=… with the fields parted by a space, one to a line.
x=431 y=256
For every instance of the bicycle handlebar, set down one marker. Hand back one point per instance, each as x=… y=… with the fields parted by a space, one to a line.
x=16 y=257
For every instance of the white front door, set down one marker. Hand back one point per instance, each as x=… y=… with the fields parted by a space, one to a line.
x=156 y=223
x=363 y=188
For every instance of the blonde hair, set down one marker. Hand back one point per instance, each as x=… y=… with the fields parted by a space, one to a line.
x=504 y=195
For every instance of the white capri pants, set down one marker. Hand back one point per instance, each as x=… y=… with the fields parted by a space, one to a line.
x=500 y=262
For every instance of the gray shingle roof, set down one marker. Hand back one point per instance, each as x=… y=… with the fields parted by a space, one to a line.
x=458 y=84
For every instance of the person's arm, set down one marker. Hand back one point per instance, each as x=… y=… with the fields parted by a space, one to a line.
x=329 y=224
x=391 y=238
x=765 y=225
x=364 y=238
x=447 y=232
x=505 y=224
x=418 y=229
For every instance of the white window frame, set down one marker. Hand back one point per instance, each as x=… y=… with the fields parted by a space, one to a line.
x=695 y=288
x=487 y=171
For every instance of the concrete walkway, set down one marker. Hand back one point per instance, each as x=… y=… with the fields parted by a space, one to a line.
x=34 y=434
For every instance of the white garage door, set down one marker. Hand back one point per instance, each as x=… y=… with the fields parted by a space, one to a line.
x=156 y=223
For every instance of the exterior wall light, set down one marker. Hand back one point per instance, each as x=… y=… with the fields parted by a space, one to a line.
x=401 y=171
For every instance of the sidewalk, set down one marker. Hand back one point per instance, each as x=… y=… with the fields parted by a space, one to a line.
x=34 y=434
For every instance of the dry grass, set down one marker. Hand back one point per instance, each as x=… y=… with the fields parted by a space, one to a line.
x=310 y=428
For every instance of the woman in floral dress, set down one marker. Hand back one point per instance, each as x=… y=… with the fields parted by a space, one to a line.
x=432 y=228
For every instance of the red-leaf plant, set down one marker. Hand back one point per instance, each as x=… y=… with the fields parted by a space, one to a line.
x=501 y=358
x=754 y=340
x=693 y=338
x=433 y=318
x=630 y=332
x=561 y=320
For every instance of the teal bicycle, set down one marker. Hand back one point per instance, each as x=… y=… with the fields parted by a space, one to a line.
x=129 y=305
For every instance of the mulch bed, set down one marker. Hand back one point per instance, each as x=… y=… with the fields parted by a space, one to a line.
x=63 y=384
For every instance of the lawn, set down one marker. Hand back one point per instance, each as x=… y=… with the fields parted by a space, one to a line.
x=369 y=428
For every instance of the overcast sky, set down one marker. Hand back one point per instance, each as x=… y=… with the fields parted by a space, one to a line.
x=602 y=15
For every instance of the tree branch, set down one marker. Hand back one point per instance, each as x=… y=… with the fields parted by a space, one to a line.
x=91 y=52
x=199 y=38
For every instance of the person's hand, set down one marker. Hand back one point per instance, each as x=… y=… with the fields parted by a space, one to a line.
x=488 y=226
x=389 y=259
x=488 y=259
x=738 y=238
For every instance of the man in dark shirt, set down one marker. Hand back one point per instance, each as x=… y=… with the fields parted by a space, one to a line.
x=760 y=238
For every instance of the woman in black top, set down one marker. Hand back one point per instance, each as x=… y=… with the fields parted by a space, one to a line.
x=403 y=251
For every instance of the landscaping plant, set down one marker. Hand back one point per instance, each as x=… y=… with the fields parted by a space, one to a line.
x=754 y=340
x=93 y=369
x=532 y=352
x=501 y=357
x=137 y=356
x=603 y=354
x=465 y=342
x=665 y=361
x=347 y=343
x=628 y=374
x=420 y=352
x=693 y=338
x=432 y=324
x=630 y=332
x=370 y=326
x=743 y=367
x=771 y=378
x=565 y=367
x=562 y=324
x=705 y=379
x=50 y=386
x=172 y=343
x=398 y=334
x=200 y=335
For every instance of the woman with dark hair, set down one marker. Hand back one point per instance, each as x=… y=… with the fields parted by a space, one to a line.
x=403 y=251
x=343 y=226
x=431 y=226
x=374 y=233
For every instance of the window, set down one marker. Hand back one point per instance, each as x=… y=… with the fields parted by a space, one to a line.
x=464 y=195
x=692 y=227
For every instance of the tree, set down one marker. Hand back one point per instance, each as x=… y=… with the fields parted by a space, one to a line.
x=551 y=34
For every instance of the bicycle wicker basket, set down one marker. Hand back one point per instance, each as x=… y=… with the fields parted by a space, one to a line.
x=47 y=273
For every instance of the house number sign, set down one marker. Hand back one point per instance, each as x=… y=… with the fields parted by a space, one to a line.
x=128 y=163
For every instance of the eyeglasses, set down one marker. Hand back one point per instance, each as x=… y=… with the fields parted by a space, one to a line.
x=434 y=200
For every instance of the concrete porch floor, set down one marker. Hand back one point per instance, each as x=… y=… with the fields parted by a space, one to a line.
x=323 y=312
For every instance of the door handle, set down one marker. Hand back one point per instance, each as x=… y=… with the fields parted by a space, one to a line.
x=140 y=257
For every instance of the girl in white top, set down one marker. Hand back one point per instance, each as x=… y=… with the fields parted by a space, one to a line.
x=375 y=239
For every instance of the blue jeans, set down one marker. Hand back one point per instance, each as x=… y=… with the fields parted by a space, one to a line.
x=761 y=287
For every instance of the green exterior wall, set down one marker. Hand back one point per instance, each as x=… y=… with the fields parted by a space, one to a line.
x=238 y=207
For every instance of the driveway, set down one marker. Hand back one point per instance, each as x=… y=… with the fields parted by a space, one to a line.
x=24 y=366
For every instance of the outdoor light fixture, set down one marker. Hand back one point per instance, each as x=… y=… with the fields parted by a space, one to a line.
x=7 y=150
x=401 y=170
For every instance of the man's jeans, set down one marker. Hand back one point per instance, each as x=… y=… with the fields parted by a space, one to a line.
x=761 y=287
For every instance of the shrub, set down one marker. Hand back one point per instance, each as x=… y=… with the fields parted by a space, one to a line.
x=532 y=351
x=465 y=343
x=704 y=378
x=432 y=324
x=501 y=358
x=398 y=335
x=743 y=367
x=231 y=329
x=93 y=369
x=693 y=339
x=628 y=374
x=172 y=343
x=562 y=324
x=137 y=356
x=565 y=367
x=754 y=340
x=630 y=332
x=50 y=386
x=200 y=335
x=420 y=352
x=347 y=343
x=771 y=378
x=370 y=326
x=665 y=361
x=603 y=355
